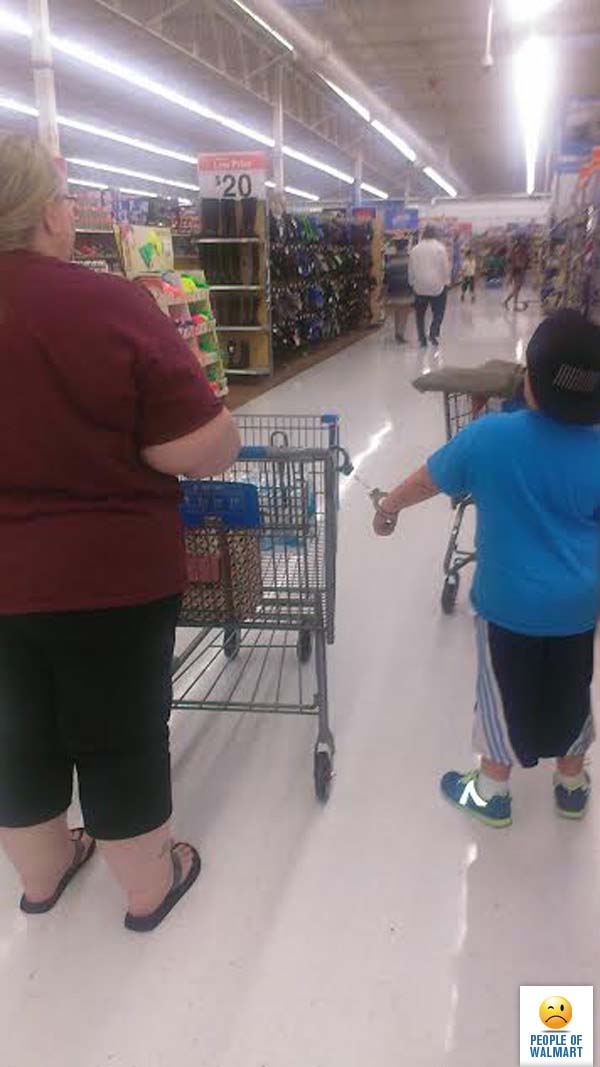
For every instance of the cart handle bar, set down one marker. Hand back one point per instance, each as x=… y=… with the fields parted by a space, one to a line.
x=298 y=455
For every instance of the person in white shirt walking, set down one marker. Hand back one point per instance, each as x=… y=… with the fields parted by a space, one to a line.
x=429 y=276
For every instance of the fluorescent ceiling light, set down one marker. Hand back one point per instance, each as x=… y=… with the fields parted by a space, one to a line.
x=9 y=104
x=522 y=10
x=134 y=77
x=533 y=78
x=350 y=100
x=145 y=146
x=301 y=193
x=294 y=192
x=10 y=23
x=94 y=165
x=310 y=161
x=122 y=138
x=394 y=139
x=89 y=185
x=439 y=180
x=366 y=188
x=138 y=192
x=132 y=192
x=265 y=25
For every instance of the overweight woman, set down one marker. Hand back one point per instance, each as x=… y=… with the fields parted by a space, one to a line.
x=102 y=405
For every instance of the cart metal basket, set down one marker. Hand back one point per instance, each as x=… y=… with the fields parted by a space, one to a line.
x=262 y=595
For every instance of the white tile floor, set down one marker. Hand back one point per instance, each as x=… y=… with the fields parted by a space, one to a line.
x=382 y=930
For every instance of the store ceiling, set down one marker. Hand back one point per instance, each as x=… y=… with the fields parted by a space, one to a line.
x=422 y=59
x=425 y=58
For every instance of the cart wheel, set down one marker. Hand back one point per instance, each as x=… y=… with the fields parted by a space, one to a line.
x=323 y=775
x=304 y=646
x=450 y=593
x=231 y=641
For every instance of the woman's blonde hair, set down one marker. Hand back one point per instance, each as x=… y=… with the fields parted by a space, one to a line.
x=29 y=178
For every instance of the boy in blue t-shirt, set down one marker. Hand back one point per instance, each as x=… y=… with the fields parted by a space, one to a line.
x=535 y=478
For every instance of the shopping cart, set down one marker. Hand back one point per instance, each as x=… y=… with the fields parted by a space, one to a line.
x=459 y=410
x=261 y=546
x=468 y=393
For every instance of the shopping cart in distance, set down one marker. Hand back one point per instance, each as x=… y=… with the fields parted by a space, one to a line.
x=261 y=545
x=469 y=393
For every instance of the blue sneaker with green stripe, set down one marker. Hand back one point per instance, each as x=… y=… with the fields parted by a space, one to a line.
x=461 y=790
x=572 y=803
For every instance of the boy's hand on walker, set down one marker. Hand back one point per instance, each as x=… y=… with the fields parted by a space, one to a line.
x=385 y=522
x=383 y=525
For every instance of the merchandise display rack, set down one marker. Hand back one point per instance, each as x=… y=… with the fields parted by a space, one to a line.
x=323 y=275
x=185 y=298
x=571 y=253
x=95 y=243
x=102 y=220
x=232 y=248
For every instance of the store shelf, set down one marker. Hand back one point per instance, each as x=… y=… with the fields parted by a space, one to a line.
x=108 y=233
x=189 y=332
x=243 y=329
x=211 y=357
x=177 y=301
x=228 y=240
x=237 y=269
x=249 y=372
x=237 y=288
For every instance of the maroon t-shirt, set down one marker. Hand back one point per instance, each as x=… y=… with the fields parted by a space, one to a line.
x=91 y=372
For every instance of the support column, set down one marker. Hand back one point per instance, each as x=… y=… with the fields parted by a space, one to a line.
x=43 y=75
x=278 y=162
x=358 y=177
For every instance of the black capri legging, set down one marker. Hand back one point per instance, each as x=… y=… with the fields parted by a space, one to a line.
x=91 y=691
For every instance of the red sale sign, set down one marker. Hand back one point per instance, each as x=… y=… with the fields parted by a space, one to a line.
x=232 y=175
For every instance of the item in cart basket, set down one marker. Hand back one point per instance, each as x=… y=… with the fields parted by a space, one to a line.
x=222 y=541
x=225 y=575
x=235 y=504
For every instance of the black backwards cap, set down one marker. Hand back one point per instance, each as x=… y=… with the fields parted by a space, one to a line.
x=563 y=360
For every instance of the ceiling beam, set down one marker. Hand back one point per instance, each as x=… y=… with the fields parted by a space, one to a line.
x=170 y=9
x=339 y=134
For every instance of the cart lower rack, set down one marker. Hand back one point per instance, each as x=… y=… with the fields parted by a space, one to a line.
x=262 y=592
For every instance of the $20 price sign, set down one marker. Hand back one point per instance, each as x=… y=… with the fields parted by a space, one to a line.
x=232 y=175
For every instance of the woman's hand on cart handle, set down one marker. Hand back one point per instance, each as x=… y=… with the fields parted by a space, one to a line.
x=385 y=521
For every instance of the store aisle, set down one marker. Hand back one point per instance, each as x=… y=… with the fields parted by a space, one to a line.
x=383 y=929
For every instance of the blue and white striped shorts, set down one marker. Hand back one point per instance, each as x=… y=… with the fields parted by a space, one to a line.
x=533 y=695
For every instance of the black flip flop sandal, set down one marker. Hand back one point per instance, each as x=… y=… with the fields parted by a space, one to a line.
x=144 y=923
x=32 y=907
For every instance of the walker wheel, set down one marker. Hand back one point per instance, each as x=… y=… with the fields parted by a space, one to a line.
x=304 y=646
x=231 y=641
x=323 y=776
x=450 y=593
